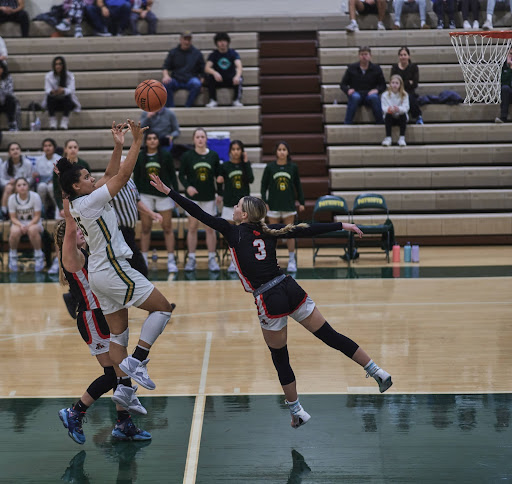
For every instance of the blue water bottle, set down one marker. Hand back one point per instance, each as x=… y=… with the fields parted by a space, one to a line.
x=407 y=252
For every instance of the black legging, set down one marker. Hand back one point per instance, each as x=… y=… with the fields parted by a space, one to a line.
x=475 y=9
x=20 y=17
x=391 y=120
x=414 y=107
x=59 y=103
x=213 y=85
x=9 y=108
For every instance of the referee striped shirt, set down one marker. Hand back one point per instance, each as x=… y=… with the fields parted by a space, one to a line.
x=125 y=205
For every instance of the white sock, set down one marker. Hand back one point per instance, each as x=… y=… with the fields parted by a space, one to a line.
x=211 y=255
x=170 y=256
x=13 y=252
x=291 y=256
x=191 y=255
x=489 y=18
x=38 y=253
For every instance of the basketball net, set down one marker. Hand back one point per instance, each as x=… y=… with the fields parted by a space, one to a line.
x=481 y=56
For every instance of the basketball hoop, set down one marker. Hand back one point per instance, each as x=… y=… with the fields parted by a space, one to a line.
x=481 y=56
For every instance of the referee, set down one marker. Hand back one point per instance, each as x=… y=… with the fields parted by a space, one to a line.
x=127 y=204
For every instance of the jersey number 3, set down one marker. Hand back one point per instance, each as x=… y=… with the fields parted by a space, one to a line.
x=262 y=253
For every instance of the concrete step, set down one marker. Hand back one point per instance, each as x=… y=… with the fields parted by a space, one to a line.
x=124 y=98
x=426 y=134
x=432 y=113
x=25 y=81
x=421 y=178
x=102 y=138
x=419 y=201
x=427 y=155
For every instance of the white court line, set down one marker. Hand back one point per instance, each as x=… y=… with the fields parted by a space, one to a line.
x=41 y=333
x=197 y=419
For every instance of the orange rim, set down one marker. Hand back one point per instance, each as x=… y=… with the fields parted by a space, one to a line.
x=491 y=34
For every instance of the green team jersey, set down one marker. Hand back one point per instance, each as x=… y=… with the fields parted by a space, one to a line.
x=57 y=190
x=200 y=171
x=283 y=185
x=237 y=177
x=160 y=164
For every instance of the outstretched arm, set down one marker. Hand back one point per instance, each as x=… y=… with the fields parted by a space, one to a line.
x=118 y=131
x=216 y=223
x=321 y=228
x=72 y=258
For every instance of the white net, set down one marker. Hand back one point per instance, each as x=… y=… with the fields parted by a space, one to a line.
x=481 y=59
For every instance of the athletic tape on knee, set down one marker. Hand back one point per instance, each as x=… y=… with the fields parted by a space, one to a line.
x=154 y=326
x=120 y=339
x=281 y=361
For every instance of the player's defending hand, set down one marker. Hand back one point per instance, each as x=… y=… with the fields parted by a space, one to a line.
x=353 y=228
x=137 y=130
x=159 y=184
x=118 y=131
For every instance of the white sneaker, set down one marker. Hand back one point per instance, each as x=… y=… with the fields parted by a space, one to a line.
x=476 y=25
x=64 y=122
x=292 y=266
x=232 y=267
x=13 y=263
x=190 y=265
x=212 y=265
x=212 y=104
x=401 y=141
x=383 y=378
x=171 y=266
x=125 y=396
x=487 y=25
x=63 y=26
x=53 y=122
x=137 y=370
x=352 y=26
x=39 y=263
x=380 y=26
x=299 y=415
x=466 y=25
x=386 y=141
x=237 y=103
x=54 y=269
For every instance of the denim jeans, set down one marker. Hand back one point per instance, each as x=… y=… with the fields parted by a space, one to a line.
x=150 y=19
x=422 y=7
x=193 y=86
x=491 y=5
x=362 y=98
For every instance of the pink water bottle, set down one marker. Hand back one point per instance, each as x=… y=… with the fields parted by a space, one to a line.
x=396 y=253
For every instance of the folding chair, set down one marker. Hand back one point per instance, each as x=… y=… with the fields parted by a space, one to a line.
x=328 y=206
x=373 y=204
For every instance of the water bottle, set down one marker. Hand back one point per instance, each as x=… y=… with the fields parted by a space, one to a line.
x=415 y=253
x=154 y=257
x=396 y=253
x=407 y=252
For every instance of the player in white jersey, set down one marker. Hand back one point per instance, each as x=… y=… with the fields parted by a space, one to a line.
x=25 y=214
x=116 y=285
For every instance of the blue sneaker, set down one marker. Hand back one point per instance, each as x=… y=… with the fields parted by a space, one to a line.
x=72 y=420
x=126 y=430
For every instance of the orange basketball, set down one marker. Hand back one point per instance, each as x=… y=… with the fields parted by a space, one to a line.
x=150 y=95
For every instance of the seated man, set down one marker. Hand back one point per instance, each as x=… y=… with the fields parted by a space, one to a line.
x=363 y=82
x=224 y=69
x=14 y=11
x=141 y=9
x=183 y=69
x=491 y=5
x=506 y=88
x=105 y=15
x=365 y=7
x=422 y=8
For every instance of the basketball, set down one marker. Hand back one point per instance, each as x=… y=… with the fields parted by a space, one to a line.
x=150 y=95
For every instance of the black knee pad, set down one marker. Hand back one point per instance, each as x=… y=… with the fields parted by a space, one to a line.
x=282 y=363
x=102 y=384
x=111 y=374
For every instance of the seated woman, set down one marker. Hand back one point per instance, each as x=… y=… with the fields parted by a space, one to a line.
x=25 y=213
x=59 y=87
x=43 y=174
x=8 y=102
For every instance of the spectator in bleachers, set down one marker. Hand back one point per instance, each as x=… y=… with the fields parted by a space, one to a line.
x=224 y=69
x=362 y=83
x=141 y=9
x=109 y=17
x=474 y=5
x=364 y=7
x=3 y=50
x=395 y=106
x=280 y=188
x=153 y=160
x=164 y=123
x=71 y=150
x=73 y=15
x=43 y=174
x=199 y=170
x=25 y=215
x=183 y=69
x=422 y=8
x=506 y=88
x=410 y=74
x=442 y=8
x=8 y=102
x=59 y=87
x=15 y=167
x=14 y=11
x=491 y=5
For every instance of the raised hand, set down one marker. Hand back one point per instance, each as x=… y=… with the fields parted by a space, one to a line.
x=118 y=131
x=159 y=184
x=137 y=130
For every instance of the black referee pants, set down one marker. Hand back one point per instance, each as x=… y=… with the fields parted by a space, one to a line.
x=137 y=261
